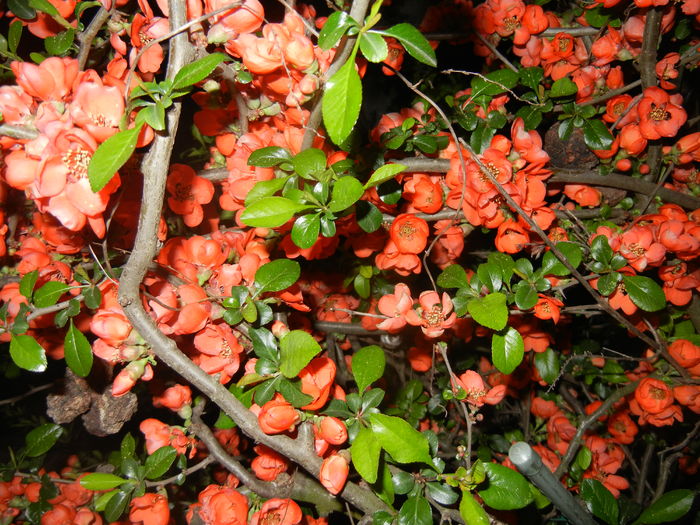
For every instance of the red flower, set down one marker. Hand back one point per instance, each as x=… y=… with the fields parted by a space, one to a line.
x=409 y=233
x=174 y=397
x=622 y=428
x=150 y=509
x=277 y=416
x=659 y=114
x=334 y=473
x=317 y=378
x=434 y=314
x=277 y=511
x=221 y=506
x=333 y=430
x=188 y=192
x=268 y=464
x=548 y=308
x=511 y=237
x=653 y=395
x=685 y=353
x=396 y=306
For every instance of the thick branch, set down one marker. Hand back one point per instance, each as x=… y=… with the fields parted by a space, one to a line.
x=650 y=41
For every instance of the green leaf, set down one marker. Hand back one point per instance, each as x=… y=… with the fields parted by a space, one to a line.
x=41 y=439
x=49 y=294
x=367 y=366
x=365 y=450
x=309 y=162
x=265 y=188
x=341 y=103
x=297 y=349
x=21 y=9
x=608 y=283
x=153 y=114
x=507 y=351
x=305 y=230
x=127 y=447
x=415 y=511
x=111 y=155
x=277 y=275
x=564 y=87
x=44 y=6
x=116 y=505
x=553 y=266
x=531 y=115
x=383 y=174
x=78 y=352
x=101 y=481
x=92 y=297
x=346 y=192
x=197 y=71
x=269 y=157
x=334 y=28
x=453 y=276
x=271 y=212
x=671 y=506
x=27 y=353
x=441 y=493
x=368 y=216
x=490 y=311
x=596 y=135
x=494 y=83
x=525 y=295
x=373 y=46
x=505 y=262
x=403 y=442
x=413 y=42
x=291 y=391
x=159 y=462
x=506 y=490
x=600 y=501
x=471 y=512
x=27 y=283
x=531 y=77
x=547 y=364
x=644 y=292
x=600 y=249
x=59 y=44
x=481 y=137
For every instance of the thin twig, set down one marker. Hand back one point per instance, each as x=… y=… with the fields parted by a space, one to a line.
x=86 y=37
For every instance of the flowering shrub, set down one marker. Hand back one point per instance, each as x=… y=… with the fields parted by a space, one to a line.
x=284 y=308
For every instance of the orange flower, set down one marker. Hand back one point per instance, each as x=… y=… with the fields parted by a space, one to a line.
x=277 y=511
x=174 y=397
x=685 y=353
x=268 y=464
x=660 y=114
x=688 y=395
x=409 y=233
x=150 y=509
x=622 y=428
x=277 y=416
x=583 y=194
x=51 y=80
x=221 y=506
x=333 y=430
x=317 y=378
x=638 y=247
x=423 y=194
x=434 y=314
x=395 y=306
x=477 y=392
x=334 y=473
x=548 y=308
x=188 y=192
x=511 y=237
x=653 y=395
x=420 y=358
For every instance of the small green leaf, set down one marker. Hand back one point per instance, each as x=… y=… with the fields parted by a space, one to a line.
x=346 y=192
x=269 y=157
x=531 y=77
x=368 y=216
x=59 y=44
x=27 y=353
x=127 y=447
x=384 y=173
x=265 y=188
x=553 y=266
x=306 y=229
x=101 y=481
x=596 y=135
x=442 y=493
x=403 y=442
x=600 y=249
x=413 y=41
x=78 y=352
x=453 y=276
x=291 y=391
x=44 y=6
x=297 y=349
x=341 y=103
x=21 y=9
x=27 y=283
x=494 y=83
x=367 y=366
x=564 y=87
x=373 y=46
x=547 y=364
x=271 y=212
x=490 y=311
x=92 y=297
x=507 y=350
x=506 y=489
x=525 y=295
x=415 y=511
x=365 y=450
x=49 y=294
x=277 y=275
x=334 y=28
x=264 y=344
x=309 y=162
x=600 y=501
x=159 y=462
x=111 y=155
x=41 y=439
x=117 y=505
x=197 y=71
x=471 y=512
x=670 y=507
x=644 y=292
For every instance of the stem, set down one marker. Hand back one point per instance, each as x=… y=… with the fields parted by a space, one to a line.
x=650 y=42
x=86 y=37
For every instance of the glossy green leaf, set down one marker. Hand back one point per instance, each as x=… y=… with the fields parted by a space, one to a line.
x=600 y=249
x=442 y=493
x=306 y=229
x=110 y=156
x=403 y=442
x=334 y=28
x=271 y=212
x=27 y=283
x=341 y=102
x=27 y=353
x=127 y=447
x=265 y=188
x=346 y=192
x=101 y=481
x=373 y=46
x=269 y=157
x=44 y=6
x=600 y=502
x=453 y=276
x=92 y=297
x=507 y=350
x=78 y=351
x=547 y=364
x=309 y=162
x=365 y=451
x=596 y=135
x=564 y=87
x=277 y=275
x=159 y=462
x=553 y=266
x=297 y=349
x=291 y=391
x=367 y=366
x=21 y=9
x=531 y=77
x=471 y=511
x=384 y=173
x=49 y=294
x=669 y=507
x=59 y=44
x=490 y=311
x=525 y=295
x=413 y=42
x=415 y=511
x=116 y=505
x=40 y=440
x=368 y=216
x=644 y=292
x=506 y=489
x=197 y=71
x=494 y=83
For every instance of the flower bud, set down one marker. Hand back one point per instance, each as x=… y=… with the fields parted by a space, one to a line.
x=334 y=472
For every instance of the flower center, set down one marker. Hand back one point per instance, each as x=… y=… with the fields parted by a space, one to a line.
x=659 y=113
x=512 y=23
x=77 y=161
x=183 y=192
x=407 y=230
x=636 y=249
x=435 y=317
x=619 y=108
x=657 y=393
x=225 y=349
